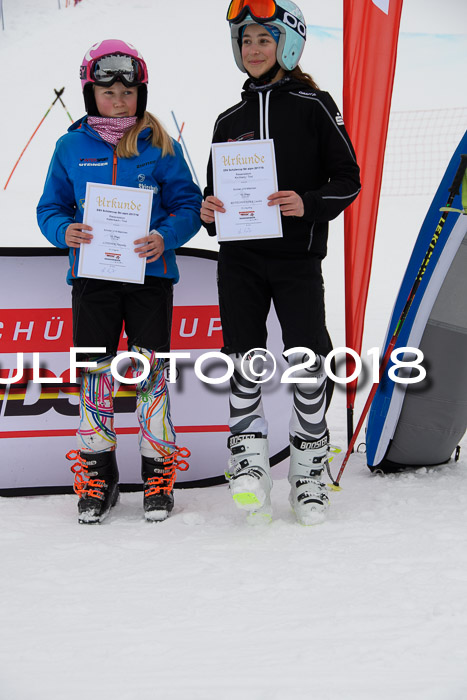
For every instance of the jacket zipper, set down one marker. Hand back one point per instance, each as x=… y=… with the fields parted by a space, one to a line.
x=311 y=236
x=114 y=168
x=264 y=115
x=114 y=182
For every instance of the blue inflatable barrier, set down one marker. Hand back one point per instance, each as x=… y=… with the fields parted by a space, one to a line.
x=420 y=424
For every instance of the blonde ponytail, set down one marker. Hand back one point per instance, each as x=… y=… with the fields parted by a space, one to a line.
x=128 y=145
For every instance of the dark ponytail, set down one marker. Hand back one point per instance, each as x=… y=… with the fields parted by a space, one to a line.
x=306 y=78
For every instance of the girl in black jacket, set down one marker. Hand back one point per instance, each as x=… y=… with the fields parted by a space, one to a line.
x=317 y=178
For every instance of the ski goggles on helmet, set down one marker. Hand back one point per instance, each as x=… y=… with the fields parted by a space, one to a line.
x=105 y=71
x=260 y=10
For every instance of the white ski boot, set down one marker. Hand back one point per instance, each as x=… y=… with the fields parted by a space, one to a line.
x=308 y=496
x=249 y=475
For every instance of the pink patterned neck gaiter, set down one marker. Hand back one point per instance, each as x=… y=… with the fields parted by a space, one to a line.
x=111 y=129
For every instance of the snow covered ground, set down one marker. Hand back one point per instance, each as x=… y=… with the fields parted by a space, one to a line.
x=371 y=604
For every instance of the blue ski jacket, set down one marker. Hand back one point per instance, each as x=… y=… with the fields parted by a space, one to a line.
x=82 y=156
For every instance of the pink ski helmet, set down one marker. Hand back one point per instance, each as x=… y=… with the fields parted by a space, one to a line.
x=111 y=60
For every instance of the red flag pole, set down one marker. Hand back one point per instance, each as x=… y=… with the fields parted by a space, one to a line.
x=371 y=30
x=59 y=93
x=185 y=147
x=180 y=132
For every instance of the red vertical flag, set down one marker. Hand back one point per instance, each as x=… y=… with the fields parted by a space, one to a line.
x=371 y=31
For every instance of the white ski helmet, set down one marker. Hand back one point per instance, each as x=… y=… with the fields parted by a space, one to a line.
x=285 y=15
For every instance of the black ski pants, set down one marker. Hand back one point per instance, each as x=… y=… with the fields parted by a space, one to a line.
x=101 y=308
x=250 y=279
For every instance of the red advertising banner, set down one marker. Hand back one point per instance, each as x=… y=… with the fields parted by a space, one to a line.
x=50 y=330
x=371 y=32
x=39 y=399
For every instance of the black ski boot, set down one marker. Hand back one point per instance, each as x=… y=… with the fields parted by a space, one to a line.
x=96 y=483
x=159 y=477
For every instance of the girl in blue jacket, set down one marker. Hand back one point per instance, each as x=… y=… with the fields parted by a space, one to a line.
x=120 y=143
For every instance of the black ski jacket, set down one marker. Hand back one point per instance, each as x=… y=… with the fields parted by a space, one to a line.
x=314 y=157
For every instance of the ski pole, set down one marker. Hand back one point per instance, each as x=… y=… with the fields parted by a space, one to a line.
x=186 y=149
x=453 y=191
x=59 y=93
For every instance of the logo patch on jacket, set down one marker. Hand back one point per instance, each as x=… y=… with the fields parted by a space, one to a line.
x=96 y=162
x=245 y=137
x=142 y=186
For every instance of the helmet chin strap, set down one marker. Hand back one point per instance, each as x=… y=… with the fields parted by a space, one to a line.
x=267 y=77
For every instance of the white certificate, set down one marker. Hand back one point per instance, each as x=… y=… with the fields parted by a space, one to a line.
x=118 y=216
x=245 y=175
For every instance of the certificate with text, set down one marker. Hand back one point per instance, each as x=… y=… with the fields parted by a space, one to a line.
x=245 y=174
x=118 y=216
